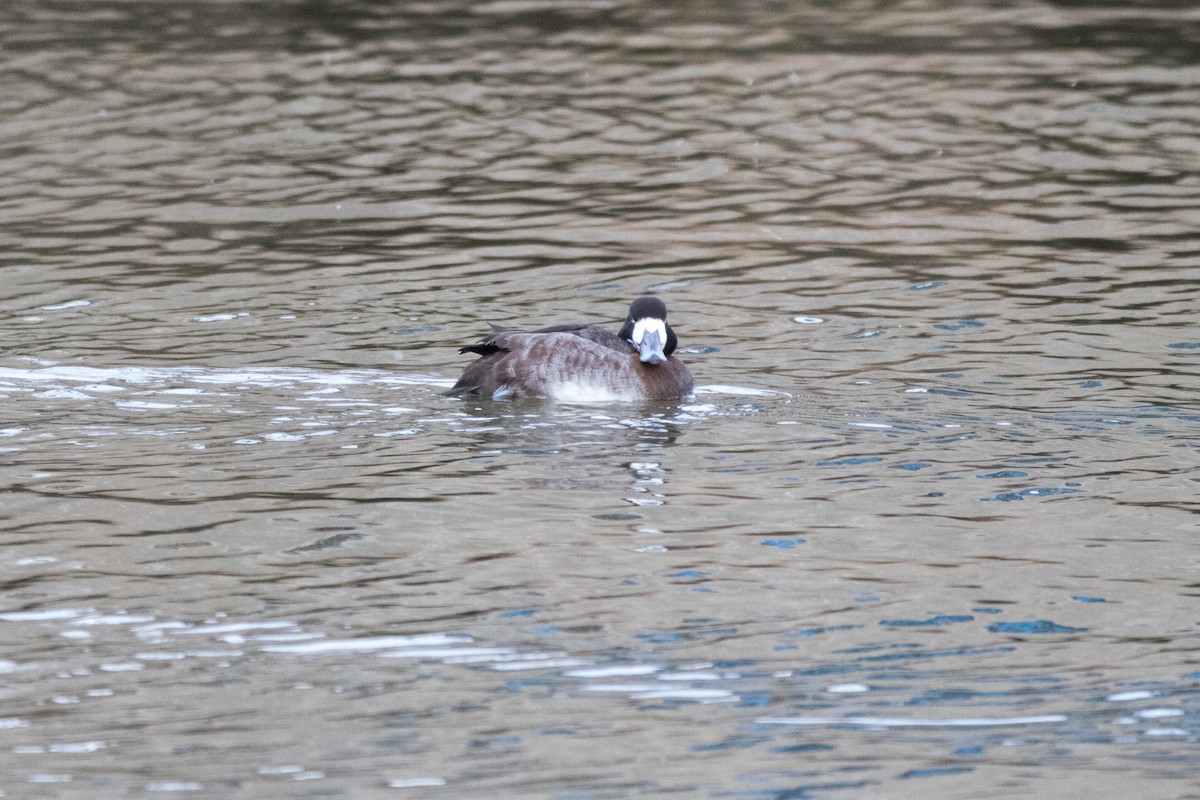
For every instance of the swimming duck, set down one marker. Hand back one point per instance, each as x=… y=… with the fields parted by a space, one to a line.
x=581 y=362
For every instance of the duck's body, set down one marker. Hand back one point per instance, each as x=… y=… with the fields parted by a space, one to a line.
x=581 y=362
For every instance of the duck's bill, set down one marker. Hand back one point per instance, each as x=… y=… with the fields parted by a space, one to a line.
x=650 y=349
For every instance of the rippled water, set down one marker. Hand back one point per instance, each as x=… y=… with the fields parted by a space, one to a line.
x=928 y=526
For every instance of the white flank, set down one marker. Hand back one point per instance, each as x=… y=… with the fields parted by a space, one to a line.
x=577 y=391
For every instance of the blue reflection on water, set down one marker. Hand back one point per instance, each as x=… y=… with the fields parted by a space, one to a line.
x=1033 y=626
x=932 y=772
x=1008 y=497
x=959 y=325
x=946 y=619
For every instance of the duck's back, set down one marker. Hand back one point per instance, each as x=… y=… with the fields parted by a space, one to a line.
x=593 y=333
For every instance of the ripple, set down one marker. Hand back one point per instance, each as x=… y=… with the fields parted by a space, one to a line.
x=935 y=286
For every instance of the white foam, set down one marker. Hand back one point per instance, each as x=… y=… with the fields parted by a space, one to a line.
x=267 y=377
x=367 y=644
x=481 y=653
x=412 y=783
x=240 y=627
x=685 y=694
x=618 y=671
x=1159 y=713
x=45 y=615
x=690 y=676
x=898 y=722
x=745 y=391
x=77 y=747
x=62 y=394
x=225 y=317
x=546 y=663
x=114 y=619
x=847 y=688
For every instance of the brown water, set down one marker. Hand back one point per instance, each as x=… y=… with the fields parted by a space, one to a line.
x=928 y=528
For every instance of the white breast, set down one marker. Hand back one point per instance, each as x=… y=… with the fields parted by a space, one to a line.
x=579 y=391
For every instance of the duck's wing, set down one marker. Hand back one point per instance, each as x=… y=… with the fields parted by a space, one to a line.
x=593 y=333
x=493 y=342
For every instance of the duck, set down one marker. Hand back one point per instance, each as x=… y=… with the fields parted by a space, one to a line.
x=581 y=362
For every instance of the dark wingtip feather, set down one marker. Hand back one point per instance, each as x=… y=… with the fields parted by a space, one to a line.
x=488 y=345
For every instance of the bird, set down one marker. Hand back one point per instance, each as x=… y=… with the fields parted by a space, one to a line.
x=580 y=362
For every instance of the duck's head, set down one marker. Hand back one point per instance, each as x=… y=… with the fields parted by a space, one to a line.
x=646 y=329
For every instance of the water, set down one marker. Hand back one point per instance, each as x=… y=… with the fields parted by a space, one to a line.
x=926 y=528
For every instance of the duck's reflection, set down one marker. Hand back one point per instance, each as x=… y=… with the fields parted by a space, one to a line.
x=582 y=449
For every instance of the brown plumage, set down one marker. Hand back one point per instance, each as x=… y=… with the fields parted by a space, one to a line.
x=581 y=362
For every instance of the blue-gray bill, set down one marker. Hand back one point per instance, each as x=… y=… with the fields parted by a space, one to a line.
x=650 y=350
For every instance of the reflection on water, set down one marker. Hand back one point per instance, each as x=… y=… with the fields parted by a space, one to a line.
x=926 y=526
x=424 y=689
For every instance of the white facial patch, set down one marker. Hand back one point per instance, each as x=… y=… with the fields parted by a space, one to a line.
x=647 y=325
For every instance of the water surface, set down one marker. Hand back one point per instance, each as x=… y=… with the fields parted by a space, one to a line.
x=928 y=525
